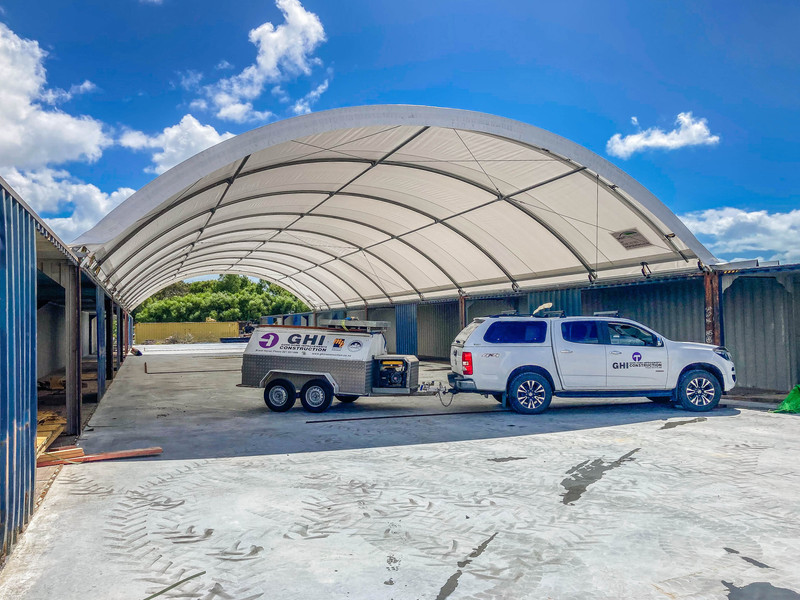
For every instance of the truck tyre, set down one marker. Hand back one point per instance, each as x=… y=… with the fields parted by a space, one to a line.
x=698 y=390
x=530 y=393
x=660 y=399
x=316 y=396
x=346 y=398
x=279 y=395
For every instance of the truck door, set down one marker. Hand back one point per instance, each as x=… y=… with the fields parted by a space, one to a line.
x=636 y=358
x=581 y=356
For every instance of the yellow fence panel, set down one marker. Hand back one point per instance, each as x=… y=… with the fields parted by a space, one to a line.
x=184 y=333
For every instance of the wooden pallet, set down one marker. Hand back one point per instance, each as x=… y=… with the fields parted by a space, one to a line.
x=49 y=426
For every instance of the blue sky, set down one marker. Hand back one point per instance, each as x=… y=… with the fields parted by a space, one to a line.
x=105 y=95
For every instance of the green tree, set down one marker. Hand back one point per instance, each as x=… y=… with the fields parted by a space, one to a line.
x=229 y=298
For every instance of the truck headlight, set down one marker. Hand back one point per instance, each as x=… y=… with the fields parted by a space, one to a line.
x=724 y=353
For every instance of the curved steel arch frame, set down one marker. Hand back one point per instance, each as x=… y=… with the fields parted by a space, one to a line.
x=126 y=218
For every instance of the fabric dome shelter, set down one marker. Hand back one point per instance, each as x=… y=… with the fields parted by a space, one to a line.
x=377 y=205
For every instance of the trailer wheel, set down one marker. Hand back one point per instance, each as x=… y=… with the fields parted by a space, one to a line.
x=279 y=395
x=346 y=399
x=316 y=396
x=529 y=393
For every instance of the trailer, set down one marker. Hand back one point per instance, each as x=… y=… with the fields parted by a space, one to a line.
x=342 y=359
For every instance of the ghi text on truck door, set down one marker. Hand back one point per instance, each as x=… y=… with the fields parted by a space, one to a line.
x=636 y=358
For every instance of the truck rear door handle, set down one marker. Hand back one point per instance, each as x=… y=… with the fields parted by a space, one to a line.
x=616 y=352
x=566 y=352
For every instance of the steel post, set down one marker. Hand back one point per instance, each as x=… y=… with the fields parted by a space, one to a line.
x=74 y=349
x=118 y=360
x=109 y=340
x=100 y=330
x=713 y=308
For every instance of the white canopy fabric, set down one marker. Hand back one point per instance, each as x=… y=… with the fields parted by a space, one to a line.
x=384 y=204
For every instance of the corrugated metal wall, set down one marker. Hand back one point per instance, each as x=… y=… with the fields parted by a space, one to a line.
x=568 y=300
x=673 y=308
x=438 y=326
x=201 y=332
x=486 y=307
x=18 y=402
x=761 y=331
x=406 y=327
x=386 y=314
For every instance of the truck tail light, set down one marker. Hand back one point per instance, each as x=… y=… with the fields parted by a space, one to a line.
x=466 y=363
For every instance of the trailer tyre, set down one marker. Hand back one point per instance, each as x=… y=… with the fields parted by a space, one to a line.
x=346 y=399
x=530 y=393
x=280 y=395
x=699 y=391
x=316 y=396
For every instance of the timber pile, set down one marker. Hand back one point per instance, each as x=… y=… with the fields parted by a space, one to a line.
x=57 y=380
x=49 y=426
x=68 y=455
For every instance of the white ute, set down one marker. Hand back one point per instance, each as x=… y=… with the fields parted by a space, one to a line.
x=531 y=359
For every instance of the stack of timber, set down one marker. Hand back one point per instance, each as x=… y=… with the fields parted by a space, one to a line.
x=68 y=455
x=49 y=426
x=57 y=380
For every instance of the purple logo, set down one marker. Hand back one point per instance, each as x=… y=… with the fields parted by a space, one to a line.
x=636 y=357
x=268 y=340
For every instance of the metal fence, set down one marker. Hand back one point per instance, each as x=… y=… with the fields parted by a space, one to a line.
x=18 y=402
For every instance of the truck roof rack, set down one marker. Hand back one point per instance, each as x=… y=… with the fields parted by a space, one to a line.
x=606 y=313
x=551 y=314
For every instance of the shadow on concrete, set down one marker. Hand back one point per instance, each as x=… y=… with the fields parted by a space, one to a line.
x=199 y=413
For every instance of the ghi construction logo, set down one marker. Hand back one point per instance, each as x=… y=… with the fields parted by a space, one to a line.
x=637 y=363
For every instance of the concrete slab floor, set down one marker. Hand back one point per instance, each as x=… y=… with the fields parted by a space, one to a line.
x=619 y=499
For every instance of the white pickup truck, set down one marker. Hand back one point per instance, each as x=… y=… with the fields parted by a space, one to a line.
x=525 y=360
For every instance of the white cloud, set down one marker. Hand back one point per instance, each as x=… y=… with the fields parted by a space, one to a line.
x=238 y=112
x=223 y=65
x=84 y=88
x=57 y=95
x=190 y=80
x=51 y=191
x=174 y=144
x=303 y=106
x=283 y=51
x=732 y=232
x=689 y=132
x=32 y=136
x=280 y=94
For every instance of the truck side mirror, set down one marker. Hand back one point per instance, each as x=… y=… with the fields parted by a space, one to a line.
x=659 y=342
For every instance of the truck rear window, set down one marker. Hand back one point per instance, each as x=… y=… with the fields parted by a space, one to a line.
x=462 y=337
x=516 y=332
